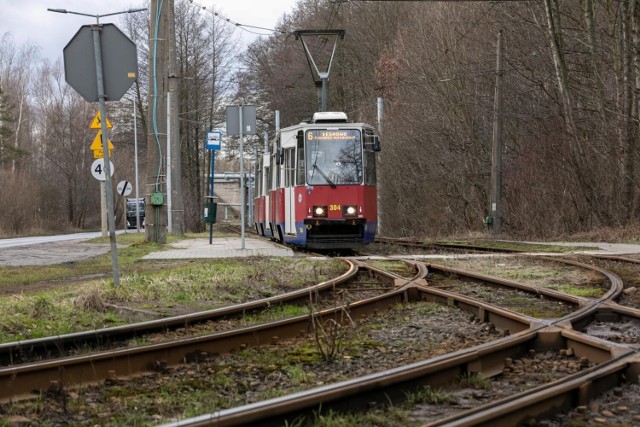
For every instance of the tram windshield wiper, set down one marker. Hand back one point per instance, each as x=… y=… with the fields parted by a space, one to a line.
x=326 y=178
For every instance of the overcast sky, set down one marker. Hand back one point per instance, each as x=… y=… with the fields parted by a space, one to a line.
x=29 y=20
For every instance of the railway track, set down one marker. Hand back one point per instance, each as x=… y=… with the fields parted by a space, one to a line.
x=605 y=364
x=443 y=246
x=602 y=363
x=19 y=379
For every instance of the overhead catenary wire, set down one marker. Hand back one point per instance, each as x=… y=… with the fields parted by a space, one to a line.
x=243 y=27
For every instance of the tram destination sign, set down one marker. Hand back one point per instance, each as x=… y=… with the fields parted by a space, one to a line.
x=333 y=135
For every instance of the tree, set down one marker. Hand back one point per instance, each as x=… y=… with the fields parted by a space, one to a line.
x=7 y=151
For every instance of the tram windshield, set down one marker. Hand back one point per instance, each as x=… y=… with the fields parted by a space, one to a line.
x=334 y=157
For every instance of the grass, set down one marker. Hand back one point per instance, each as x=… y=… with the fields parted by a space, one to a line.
x=514 y=246
x=51 y=300
x=428 y=395
x=277 y=312
x=384 y=417
x=476 y=381
x=528 y=273
x=397 y=266
x=586 y=291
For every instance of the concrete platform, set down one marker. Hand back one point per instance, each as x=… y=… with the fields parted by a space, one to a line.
x=221 y=247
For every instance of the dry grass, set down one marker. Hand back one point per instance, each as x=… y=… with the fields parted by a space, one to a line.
x=626 y=234
x=90 y=299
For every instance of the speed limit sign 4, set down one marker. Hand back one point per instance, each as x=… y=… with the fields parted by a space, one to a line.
x=97 y=169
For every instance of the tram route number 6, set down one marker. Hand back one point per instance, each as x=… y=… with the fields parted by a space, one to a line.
x=97 y=169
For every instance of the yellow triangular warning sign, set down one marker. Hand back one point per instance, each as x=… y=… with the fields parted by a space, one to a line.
x=96 y=124
x=97 y=142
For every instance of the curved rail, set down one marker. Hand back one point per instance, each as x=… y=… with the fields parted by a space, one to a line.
x=10 y=352
x=22 y=379
x=487 y=359
x=391 y=385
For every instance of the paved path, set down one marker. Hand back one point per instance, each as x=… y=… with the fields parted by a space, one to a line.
x=222 y=247
x=39 y=240
x=71 y=248
x=599 y=248
x=51 y=252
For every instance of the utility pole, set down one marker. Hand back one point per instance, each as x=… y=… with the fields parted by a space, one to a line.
x=176 y=208
x=162 y=80
x=496 y=215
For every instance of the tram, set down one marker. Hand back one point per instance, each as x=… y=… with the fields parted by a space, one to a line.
x=316 y=189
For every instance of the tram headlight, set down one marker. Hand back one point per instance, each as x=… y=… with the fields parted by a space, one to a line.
x=349 y=210
x=319 y=211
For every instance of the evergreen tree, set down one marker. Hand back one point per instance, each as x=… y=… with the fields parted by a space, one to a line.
x=7 y=150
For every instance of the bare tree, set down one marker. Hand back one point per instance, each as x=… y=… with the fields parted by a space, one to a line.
x=64 y=118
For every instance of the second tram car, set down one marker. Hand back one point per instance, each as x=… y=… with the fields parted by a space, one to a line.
x=317 y=188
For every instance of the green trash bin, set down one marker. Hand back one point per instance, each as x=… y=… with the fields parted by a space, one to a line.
x=210 y=211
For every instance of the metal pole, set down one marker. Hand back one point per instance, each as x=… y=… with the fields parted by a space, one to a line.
x=242 y=201
x=380 y=113
x=169 y=186
x=496 y=211
x=251 y=195
x=380 y=119
x=324 y=91
x=135 y=162
x=213 y=161
x=103 y=210
x=96 y=29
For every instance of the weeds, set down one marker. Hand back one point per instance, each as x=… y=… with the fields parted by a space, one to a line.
x=298 y=374
x=331 y=335
x=90 y=299
x=430 y=396
x=474 y=380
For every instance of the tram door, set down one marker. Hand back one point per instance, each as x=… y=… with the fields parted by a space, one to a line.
x=289 y=191
x=267 y=186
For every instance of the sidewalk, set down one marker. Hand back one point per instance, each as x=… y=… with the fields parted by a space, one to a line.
x=221 y=247
x=599 y=248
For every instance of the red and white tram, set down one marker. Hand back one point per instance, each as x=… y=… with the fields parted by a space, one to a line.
x=317 y=188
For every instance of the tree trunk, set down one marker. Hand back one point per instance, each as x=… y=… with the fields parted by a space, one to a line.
x=629 y=188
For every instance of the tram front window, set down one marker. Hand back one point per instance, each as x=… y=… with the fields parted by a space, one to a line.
x=334 y=157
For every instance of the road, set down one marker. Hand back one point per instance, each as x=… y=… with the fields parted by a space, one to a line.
x=38 y=240
x=45 y=250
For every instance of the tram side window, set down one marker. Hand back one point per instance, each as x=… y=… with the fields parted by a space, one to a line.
x=301 y=170
x=258 y=182
x=270 y=178
x=370 y=167
x=369 y=158
x=289 y=167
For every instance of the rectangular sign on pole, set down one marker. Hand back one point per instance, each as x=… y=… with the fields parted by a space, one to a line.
x=214 y=140
x=248 y=120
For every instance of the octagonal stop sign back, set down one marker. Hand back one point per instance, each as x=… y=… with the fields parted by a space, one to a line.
x=119 y=62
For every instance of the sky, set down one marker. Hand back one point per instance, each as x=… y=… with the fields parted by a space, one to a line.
x=29 y=20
